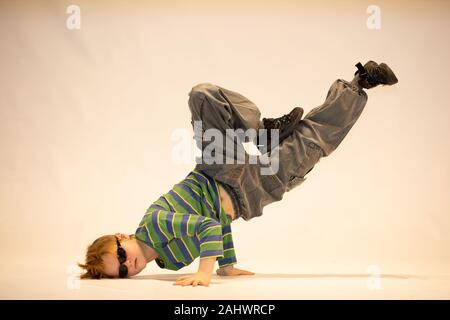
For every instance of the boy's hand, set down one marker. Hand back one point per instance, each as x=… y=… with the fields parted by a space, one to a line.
x=232 y=271
x=199 y=278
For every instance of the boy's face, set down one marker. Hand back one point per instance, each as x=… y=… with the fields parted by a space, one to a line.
x=135 y=259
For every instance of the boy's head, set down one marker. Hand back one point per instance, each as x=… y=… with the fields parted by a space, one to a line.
x=104 y=259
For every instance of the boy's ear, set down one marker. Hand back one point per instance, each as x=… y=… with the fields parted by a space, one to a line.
x=122 y=236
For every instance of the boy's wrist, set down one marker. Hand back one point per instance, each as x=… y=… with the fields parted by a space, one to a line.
x=207 y=265
x=204 y=274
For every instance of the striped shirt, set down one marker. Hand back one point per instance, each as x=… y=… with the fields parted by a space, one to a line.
x=188 y=222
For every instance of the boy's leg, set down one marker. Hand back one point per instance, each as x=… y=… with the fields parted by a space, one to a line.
x=321 y=131
x=317 y=135
x=324 y=128
x=221 y=109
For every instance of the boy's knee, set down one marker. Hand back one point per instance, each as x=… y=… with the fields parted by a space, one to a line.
x=201 y=88
x=198 y=93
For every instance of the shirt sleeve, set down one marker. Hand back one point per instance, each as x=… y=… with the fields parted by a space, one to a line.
x=163 y=226
x=229 y=255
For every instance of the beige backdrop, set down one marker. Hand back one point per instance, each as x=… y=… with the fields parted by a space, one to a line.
x=86 y=118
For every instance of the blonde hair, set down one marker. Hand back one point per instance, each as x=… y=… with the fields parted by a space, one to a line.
x=94 y=267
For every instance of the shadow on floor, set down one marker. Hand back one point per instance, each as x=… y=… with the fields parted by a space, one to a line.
x=173 y=277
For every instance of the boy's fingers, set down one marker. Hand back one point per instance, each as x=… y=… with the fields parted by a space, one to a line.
x=245 y=272
x=219 y=272
x=182 y=278
x=178 y=282
x=188 y=282
x=238 y=272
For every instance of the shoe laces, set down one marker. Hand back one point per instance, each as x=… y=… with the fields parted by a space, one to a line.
x=372 y=76
x=278 y=122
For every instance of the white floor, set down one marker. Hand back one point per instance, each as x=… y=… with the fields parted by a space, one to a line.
x=398 y=280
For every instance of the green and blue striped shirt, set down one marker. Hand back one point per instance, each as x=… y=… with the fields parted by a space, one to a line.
x=188 y=222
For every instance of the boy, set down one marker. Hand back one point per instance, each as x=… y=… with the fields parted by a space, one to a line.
x=194 y=218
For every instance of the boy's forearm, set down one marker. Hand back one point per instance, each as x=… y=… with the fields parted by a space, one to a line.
x=207 y=265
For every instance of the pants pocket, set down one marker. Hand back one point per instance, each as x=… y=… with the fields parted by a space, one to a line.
x=295 y=181
x=313 y=155
x=271 y=182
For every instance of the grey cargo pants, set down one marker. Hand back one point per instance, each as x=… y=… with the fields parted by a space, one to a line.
x=316 y=135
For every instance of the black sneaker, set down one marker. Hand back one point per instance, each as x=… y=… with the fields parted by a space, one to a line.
x=285 y=124
x=373 y=74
